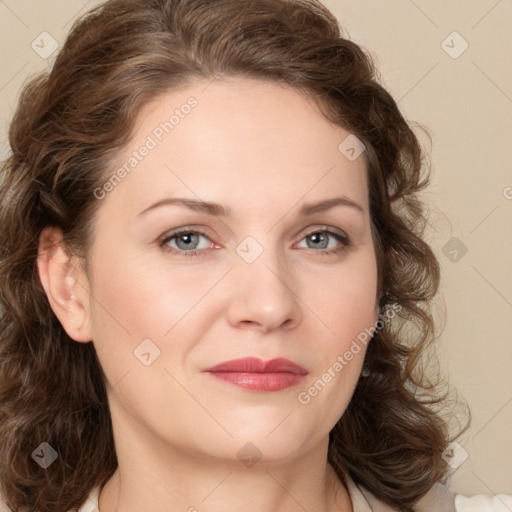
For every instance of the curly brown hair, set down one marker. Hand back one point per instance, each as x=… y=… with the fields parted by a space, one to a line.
x=68 y=126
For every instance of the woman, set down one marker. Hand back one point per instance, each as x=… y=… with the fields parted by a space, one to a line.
x=215 y=292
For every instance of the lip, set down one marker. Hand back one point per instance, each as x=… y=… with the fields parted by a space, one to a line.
x=254 y=374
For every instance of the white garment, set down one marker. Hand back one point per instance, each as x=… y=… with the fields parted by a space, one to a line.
x=437 y=499
x=361 y=501
x=481 y=503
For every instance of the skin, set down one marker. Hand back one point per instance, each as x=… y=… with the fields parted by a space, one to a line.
x=264 y=151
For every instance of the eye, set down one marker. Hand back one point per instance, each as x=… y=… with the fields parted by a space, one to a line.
x=320 y=239
x=187 y=242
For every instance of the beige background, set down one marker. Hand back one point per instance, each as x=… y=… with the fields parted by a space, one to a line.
x=466 y=103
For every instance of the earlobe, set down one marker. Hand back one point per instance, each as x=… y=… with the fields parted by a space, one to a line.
x=65 y=285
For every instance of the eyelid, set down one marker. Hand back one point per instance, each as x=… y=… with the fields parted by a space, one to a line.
x=320 y=228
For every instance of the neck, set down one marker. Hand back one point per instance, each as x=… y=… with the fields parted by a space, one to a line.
x=272 y=489
x=195 y=484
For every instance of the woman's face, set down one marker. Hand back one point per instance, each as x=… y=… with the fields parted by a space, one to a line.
x=264 y=274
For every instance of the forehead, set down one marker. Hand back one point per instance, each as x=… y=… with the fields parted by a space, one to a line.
x=237 y=139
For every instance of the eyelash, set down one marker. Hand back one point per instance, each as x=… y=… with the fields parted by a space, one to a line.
x=345 y=242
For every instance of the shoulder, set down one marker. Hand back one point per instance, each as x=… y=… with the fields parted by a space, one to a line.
x=91 y=504
x=439 y=499
x=484 y=503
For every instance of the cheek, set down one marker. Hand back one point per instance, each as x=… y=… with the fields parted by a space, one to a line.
x=346 y=304
x=136 y=300
x=146 y=299
x=345 y=298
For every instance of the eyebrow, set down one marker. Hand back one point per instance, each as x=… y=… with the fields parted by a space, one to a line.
x=222 y=211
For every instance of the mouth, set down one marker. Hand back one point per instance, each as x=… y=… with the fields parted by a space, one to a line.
x=254 y=374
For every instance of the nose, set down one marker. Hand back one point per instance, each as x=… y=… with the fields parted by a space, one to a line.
x=263 y=296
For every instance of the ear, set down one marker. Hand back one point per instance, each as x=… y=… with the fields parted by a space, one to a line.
x=66 y=285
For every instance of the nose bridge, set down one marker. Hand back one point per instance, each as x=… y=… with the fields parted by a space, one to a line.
x=263 y=291
x=263 y=266
x=263 y=260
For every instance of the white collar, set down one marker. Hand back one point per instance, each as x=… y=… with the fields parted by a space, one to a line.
x=359 y=502
x=438 y=499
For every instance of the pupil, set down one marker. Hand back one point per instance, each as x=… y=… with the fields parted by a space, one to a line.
x=187 y=238
x=318 y=237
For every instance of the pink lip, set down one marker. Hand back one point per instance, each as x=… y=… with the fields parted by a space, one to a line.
x=255 y=374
